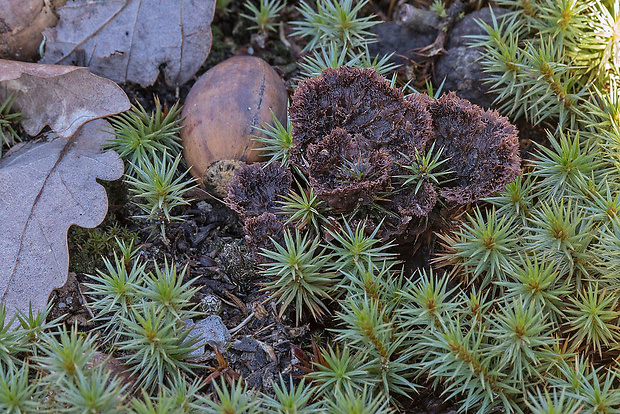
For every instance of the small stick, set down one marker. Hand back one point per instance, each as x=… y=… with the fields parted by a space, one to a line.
x=84 y=301
x=242 y=324
x=283 y=38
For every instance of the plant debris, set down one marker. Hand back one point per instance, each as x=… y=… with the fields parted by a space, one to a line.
x=57 y=188
x=128 y=41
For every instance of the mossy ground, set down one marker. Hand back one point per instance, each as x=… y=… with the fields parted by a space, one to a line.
x=211 y=242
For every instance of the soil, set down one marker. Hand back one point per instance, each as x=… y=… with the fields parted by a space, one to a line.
x=210 y=240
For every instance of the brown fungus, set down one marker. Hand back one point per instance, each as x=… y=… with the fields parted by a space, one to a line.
x=361 y=102
x=346 y=171
x=350 y=128
x=408 y=203
x=256 y=189
x=354 y=139
x=482 y=147
x=413 y=213
x=261 y=230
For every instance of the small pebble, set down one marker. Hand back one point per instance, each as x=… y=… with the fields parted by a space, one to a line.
x=209 y=331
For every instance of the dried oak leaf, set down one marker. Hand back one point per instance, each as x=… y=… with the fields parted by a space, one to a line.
x=482 y=147
x=21 y=24
x=361 y=102
x=129 y=40
x=45 y=188
x=62 y=97
x=257 y=188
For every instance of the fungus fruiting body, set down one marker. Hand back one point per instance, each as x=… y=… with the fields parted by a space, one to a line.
x=371 y=153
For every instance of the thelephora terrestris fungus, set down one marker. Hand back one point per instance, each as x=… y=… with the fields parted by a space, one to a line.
x=261 y=230
x=361 y=144
x=257 y=188
x=482 y=147
x=361 y=102
x=254 y=194
x=345 y=170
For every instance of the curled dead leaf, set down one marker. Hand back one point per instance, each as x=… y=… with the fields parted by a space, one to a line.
x=62 y=97
x=128 y=40
x=45 y=188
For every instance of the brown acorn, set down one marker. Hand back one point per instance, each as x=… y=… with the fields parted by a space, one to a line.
x=224 y=108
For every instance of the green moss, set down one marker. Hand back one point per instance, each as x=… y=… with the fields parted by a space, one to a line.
x=220 y=50
x=88 y=247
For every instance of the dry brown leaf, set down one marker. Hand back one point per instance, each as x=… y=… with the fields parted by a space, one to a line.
x=115 y=367
x=62 y=97
x=45 y=188
x=128 y=40
x=21 y=26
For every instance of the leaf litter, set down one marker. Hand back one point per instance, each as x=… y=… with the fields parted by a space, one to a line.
x=46 y=187
x=128 y=41
x=63 y=97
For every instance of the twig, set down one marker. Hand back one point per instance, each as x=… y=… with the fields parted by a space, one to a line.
x=283 y=38
x=84 y=301
x=242 y=324
x=264 y=328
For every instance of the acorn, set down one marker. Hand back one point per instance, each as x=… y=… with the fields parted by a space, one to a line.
x=222 y=112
